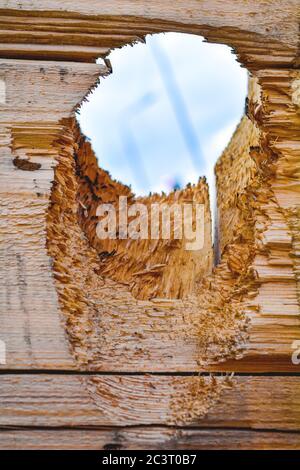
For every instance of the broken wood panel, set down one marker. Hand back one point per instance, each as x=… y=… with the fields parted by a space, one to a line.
x=245 y=402
x=141 y=350
x=143 y=438
x=138 y=336
x=157 y=335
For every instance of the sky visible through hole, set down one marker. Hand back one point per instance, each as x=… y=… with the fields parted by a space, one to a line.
x=164 y=116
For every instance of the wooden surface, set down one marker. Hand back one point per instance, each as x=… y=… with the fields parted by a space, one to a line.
x=82 y=337
x=154 y=438
x=78 y=401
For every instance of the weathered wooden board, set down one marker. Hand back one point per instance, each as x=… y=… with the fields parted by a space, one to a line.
x=83 y=322
x=55 y=401
x=31 y=325
x=41 y=93
x=141 y=438
x=251 y=16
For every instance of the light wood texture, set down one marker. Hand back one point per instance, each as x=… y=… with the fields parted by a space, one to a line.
x=65 y=305
x=38 y=96
x=155 y=438
x=171 y=341
x=243 y=402
x=252 y=16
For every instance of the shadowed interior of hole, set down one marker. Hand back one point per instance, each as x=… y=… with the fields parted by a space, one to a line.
x=167 y=112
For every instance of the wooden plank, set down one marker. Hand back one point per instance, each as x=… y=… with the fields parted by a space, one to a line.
x=143 y=438
x=31 y=327
x=41 y=92
x=48 y=52
x=249 y=16
x=131 y=338
x=55 y=401
x=107 y=335
x=31 y=323
x=144 y=336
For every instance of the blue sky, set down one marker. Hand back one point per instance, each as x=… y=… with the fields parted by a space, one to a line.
x=167 y=111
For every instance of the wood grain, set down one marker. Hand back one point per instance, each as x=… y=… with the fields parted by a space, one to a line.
x=143 y=438
x=60 y=310
x=250 y=16
x=54 y=401
x=28 y=298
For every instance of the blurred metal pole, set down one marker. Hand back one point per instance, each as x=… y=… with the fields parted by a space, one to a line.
x=133 y=157
x=131 y=149
x=180 y=109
